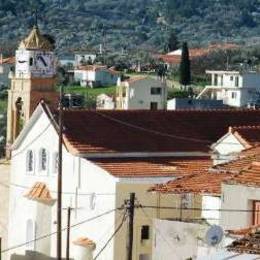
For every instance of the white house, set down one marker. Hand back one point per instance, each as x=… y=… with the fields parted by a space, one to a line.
x=6 y=65
x=235 y=141
x=83 y=58
x=106 y=155
x=95 y=76
x=141 y=93
x=105 y=102
x=235 y=88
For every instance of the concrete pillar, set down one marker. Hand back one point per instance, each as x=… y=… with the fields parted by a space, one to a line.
x=83 y=249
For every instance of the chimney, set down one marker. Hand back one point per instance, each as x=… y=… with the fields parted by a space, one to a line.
x=83 y=249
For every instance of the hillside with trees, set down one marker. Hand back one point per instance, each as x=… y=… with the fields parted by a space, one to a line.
x=124 y=25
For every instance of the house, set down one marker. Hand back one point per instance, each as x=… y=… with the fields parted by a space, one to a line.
x=6 y=65
x=235 y=88
x=105 y=102
x=141 y=93
x=84 y=58
x=174 y=58
x=236 y=140
x=106 y=155
x=95 y=76
x=190 y=103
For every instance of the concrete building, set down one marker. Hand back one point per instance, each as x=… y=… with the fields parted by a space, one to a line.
x=95 y=76
x=107 y=155
x=236 y=89
x=141 y=93
x=236 y=140
x=105 y=102
x=190 y=103
x=84 y=58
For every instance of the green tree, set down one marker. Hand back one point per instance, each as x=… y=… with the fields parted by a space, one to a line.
x=173 y=43
x=185 y=73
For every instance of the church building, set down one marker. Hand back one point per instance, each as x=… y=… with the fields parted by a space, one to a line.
x=32 y=81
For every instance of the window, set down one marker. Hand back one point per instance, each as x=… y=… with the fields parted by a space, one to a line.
x=29 y=161
x=55 y=162
x=30 y=234
x=231 y=78
x=31 y=61
x=256 y=212
x=233 y=95
x=156 y=91
x=236 y=81
x=145 y=232
x=221 y=80
x=153 y=106
x=43 y=160
x=215 y=80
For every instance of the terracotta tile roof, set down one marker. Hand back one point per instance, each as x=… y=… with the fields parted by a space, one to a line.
x=248 y=177
x=149 y=131
x=244 y=231
x=197 y=52
x=40 y=192
x=136 y=78
x=84 y=242
x=152 y=167
x=203 y=183
x=250 y=135
x=237 y=165
x=249 y=244
x=10 y=60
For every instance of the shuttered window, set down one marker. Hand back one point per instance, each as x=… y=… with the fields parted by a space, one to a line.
x=256 y=212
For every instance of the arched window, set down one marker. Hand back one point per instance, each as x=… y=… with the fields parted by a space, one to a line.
x=29 y=161
x=30 y=234
x=43 y=159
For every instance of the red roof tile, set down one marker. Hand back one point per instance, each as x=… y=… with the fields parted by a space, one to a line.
x=244 y=231
x=250 y=135
x=39 y=192
x=249 y=244
x=203 y=183
x=10 y=60
x=149 y=131
x=248 y=177
x=151 y=167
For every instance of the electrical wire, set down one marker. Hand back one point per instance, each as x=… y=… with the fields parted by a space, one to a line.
x=153 y=131
x=112 y=236
x=199 y=209
x=8 y=186
x=55 y=232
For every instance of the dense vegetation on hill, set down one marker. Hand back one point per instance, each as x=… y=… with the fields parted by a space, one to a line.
x=122 y=24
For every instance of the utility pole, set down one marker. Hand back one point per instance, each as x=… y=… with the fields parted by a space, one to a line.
x=59 y=188
x=68 y=235
x=131 y=211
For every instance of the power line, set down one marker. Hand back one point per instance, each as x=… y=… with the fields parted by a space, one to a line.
x=153 y=131
x=8 y=186
x=111 y=237
x=197 y=209
x=55 y=232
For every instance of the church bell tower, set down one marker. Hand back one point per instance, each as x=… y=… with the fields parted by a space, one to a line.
x=32 y=81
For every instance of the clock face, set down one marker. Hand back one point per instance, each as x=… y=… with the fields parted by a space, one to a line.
x=22 y=62
x=44 y=63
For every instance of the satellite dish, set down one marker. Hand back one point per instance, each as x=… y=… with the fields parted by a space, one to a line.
x=214 y=235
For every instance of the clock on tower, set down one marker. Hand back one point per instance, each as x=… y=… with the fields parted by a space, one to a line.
x=33 y=81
